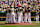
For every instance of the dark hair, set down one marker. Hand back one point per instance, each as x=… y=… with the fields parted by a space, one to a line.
x=9 y=11
x=28 y=7
x=28 y=10
x=25 y=10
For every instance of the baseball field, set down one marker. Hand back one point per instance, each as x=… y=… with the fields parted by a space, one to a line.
x=2 y=24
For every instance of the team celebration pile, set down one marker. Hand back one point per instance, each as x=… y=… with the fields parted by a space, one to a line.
x=19 y=11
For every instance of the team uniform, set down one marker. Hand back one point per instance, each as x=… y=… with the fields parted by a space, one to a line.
x=29 y=17
x=20 y=17
x=37 y=16
x=25 y=19
x=7 y=17
x=13 y=17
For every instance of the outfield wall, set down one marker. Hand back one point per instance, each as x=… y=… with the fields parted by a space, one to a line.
x=33 y=19
x=3 y=16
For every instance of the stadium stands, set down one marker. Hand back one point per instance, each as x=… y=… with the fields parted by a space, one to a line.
x=31 y=4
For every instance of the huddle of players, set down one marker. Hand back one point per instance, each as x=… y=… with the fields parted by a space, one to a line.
x=11 y=16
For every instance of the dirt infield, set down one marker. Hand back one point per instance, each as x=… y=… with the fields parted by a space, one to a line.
x=20 y=24
x=3 y=23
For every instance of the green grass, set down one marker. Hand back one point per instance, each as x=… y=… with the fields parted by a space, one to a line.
x=37 y=25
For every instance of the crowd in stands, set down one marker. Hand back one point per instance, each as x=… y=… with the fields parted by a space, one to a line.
x=32 y=5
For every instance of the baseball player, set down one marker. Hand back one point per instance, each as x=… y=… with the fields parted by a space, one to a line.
x=7 y=17
x=10 y=17
x=18 y=13
x=37 y=17
x=13 y=16
x=20 y=16
x=25 y=16
x=29 y=16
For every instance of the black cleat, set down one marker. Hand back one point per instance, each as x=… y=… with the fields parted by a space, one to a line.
x=6 y=23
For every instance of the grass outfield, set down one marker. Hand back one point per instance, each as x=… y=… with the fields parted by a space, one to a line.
x=33 y=22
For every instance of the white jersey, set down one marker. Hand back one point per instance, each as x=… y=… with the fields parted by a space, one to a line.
x=13 y=14
x=19 y=17
x=29 y=18
x=7 y=17
x=29 y=15
x=13 y=17
x=25 y=15
x=19 y=14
